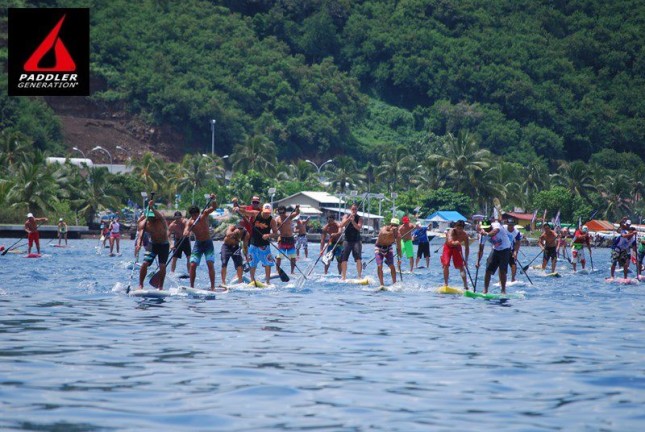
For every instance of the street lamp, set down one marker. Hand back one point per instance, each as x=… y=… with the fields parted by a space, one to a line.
x=124 y=150
x=80 y=151
x=272 y=193
x=380 y=198
x=109 y=154
x=224 y=166
x=319 y=168
x=213 y=121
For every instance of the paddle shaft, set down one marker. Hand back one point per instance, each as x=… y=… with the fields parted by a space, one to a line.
x=322 y=252
x=466 y=265
x=525 y=268
x=525 y=273
x=4 y=252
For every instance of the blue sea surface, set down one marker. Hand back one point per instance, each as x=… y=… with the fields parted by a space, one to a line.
x=78 y=354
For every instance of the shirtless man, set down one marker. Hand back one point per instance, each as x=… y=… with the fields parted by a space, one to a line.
x=301 y=240
x=286 y=242
x=155 y=225
x=387 y=236
x=203 y=243
x=31 y=226
x=548 y=243
x=352 y=245
x=455 y=237
x=231 y=249
x=331 y=230
x=178 y=243
x=405 y=234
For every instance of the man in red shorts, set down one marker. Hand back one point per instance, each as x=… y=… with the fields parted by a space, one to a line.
x=452 y=249
x=31 y=226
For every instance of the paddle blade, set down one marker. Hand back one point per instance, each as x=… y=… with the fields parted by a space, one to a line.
x=283 y=276
x=326 y=259
x=155 y=280
x=246 y=267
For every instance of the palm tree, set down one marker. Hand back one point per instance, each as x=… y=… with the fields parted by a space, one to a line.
x=576 y=177
x=429 y=176
x=96 y=194
x=396 y=166
x=299 y=171
x=345 y=174
x=195 y=171
x=256 y=153
x=13 y=148
x=148 y=169
x=615 y=192
x=33 y=186
x=535 y=178
x=462 y=160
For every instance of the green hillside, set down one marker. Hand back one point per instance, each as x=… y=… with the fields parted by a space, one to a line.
x=541 y=91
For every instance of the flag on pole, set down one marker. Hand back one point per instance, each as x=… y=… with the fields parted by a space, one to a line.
x=579 y=222
x=534 y=218
x=495 y=213
x=593 y=213
x=556 y=220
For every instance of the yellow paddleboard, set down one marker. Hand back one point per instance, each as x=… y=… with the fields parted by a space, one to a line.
x=257 y=284
x=364 y=281
x=450 y=290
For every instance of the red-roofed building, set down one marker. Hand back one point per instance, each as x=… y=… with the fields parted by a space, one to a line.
x=600 y=225
x=523 y=219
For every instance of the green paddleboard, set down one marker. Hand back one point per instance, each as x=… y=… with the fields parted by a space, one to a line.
x=490 y=296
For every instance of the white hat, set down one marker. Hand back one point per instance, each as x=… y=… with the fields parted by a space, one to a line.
x=267 y=208
x=585 y=228
x=60 y=220
x=628 y=222
x=30 y=215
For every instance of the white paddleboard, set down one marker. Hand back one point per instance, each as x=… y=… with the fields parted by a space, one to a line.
x=201 y=293
x=149 y=293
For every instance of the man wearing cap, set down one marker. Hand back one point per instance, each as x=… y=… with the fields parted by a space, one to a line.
x=405 y=234
x=115 y=235
x=249 y=211
x=515 y=237
x=499 y=257
x=548 y=242
x=179 y=245
x=455 y=238
x=203 y=247
x=155 y=225
x=286 y=241
x=301 y=240
x=581 y=239
x=264 y=228
x=353 y=245
x=387 y=236
x=331 y=229
x=62 y=231
x=420 y=234
x=31 y=226
x=621 y=247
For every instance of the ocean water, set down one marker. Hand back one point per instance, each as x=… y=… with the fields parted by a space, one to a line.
x=77 y=354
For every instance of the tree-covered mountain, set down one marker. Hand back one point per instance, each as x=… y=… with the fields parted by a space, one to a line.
x=553 y=79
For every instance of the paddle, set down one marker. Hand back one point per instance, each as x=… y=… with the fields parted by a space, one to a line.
x=466 y=265
x=154 y=279
x=143 y=232
x=525 y=268
x=4 y=252
x=476 y=277
x=319 y=256
x=398 y=263
x=525 y=273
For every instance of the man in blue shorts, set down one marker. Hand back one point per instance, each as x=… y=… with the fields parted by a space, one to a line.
x=154 y=224
x=263 y=229
x=203 y=246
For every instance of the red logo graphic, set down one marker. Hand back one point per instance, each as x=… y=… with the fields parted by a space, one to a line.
x=64 y=61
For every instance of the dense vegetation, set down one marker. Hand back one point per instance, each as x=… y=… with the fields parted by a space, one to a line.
x=476 y=98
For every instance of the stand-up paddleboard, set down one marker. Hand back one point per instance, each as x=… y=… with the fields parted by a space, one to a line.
x=59 y=246
x=556 y=275
x=33 y=255
x=258 y=284
x=449 y=290
x=200 y=293
x=641 y=278
x=491 y=296
x=511 y=283
x=622 y=281
x=363 y=281
x=234 y=281
x=149 y=293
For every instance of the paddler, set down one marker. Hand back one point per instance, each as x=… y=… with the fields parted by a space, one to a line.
x=286 y=241
x=301 y=239
x=420 y=234
x=548 y=243
x=405 y=234
x=179 y=245
x=515 y=237
x=203 y=245
x=455 y=238
x=581 y=238
x=499 y=258
x=33 y=236
x=115 y=235
x=155 y=225
x=621 y=247
x=388 y=236
x=263 y=229
x=62 y=231
x=353 y=245
x=235 y=234
x=331 y=230
x=641 y=255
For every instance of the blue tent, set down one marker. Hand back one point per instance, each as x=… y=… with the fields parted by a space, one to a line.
x=445 y=216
